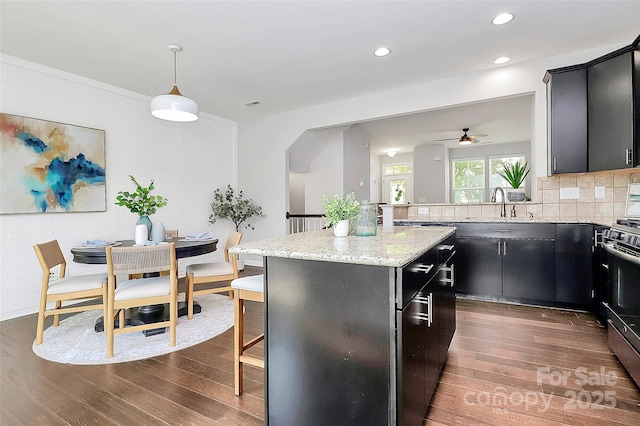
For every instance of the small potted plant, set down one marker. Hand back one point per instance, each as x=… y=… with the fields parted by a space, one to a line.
x=515 y=174
x=141 y=202
x=235 y=208
x=339 y=210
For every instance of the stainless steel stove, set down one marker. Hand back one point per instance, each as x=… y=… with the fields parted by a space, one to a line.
x=622 y=243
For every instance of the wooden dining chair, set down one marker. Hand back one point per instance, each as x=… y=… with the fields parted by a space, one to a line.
x=213 y=272
x=65 y=289
x=142 y=291
x=245 y=288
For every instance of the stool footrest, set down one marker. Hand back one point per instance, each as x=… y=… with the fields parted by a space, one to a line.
x=253 y=342
x=256 y=362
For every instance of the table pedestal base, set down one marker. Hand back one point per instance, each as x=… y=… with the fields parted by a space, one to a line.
x=137 y=317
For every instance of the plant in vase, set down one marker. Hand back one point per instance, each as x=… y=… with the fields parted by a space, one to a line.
x=141 y=202
x=234 y=207
x=339 y=210
x=515 y=174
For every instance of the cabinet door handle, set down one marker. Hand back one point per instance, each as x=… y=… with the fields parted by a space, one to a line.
x=504 y=250
x=423 y=268
x=628 y=159
x=499 y=254
x=554 y=164
x=428 y=317
x=446 y=247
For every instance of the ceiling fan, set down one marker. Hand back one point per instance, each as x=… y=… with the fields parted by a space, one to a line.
x=465 y=139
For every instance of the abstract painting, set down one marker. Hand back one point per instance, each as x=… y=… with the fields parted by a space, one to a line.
x=50 y=167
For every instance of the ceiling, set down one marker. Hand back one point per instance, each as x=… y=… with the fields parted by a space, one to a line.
x=293 y=54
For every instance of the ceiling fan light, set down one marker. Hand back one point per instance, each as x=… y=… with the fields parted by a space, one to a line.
x=464 y=142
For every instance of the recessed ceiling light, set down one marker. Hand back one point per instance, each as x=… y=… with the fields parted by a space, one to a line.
x=382 y=51
x=502 y=60
x=502 y=19
x=252 y=103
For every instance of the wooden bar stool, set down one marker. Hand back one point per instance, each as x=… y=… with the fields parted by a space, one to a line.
x=245 y=288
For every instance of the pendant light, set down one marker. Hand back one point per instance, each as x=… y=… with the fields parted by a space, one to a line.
x=173 y=106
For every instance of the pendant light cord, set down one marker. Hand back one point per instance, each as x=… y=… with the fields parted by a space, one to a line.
x=175 y=67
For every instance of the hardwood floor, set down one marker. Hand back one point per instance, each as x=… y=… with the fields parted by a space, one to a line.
x=493 y=375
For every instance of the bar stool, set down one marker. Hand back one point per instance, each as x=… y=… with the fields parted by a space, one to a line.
x=245 y=288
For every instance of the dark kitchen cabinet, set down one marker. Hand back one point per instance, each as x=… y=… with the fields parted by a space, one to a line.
x=479 y=266
x=611 y=113
x=528 y=269
x=506 y=261
x=574 y=274
x=600 y=279
x=567 y=120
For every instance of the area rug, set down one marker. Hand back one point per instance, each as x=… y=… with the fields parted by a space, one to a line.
x=75 y=342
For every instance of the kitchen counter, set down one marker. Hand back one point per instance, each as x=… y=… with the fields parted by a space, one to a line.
x=395 y=247
x=604 y=221
x=356 y=328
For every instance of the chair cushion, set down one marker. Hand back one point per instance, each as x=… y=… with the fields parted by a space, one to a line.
x=77 y=283
x=210 y=269
x=252 y=283
x=143 y=287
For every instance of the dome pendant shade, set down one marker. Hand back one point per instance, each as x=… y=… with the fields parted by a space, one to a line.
x=173 y=106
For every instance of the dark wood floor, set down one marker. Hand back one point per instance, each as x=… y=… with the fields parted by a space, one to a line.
x=491 y=377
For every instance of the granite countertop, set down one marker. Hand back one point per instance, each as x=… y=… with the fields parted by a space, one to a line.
x=393 y=247
x=490 y=219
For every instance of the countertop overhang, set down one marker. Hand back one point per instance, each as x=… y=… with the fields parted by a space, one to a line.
x=395 y=246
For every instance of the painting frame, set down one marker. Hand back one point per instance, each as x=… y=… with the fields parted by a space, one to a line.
x=51 y=167
x=632 y=207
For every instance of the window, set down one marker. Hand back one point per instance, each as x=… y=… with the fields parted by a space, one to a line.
x=468 y=180
x=471 y=184
x=397 y=183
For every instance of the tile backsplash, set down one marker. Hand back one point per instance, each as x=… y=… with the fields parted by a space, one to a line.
x=599 y=195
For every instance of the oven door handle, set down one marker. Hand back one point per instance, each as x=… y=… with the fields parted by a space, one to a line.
x=622 y=255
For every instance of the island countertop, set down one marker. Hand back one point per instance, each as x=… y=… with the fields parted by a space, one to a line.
x=393 y=247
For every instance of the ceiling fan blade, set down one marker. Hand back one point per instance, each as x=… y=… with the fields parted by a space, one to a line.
x=479 y=135
x=448 y=139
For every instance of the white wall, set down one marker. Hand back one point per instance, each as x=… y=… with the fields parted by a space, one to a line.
x=430 y=169
x=263 y=141
x=325 y=174
x=355 y=163
x=187 y=160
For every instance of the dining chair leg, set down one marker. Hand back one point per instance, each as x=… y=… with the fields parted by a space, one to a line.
x=56 y=317
x=238 y=330
x=189 y=296
x=173 y=319
x=108 y=327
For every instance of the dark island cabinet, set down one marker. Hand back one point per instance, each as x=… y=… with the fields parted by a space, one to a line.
x=352 y=344
x=574 y=271
x=567 y=120
x=611 y=113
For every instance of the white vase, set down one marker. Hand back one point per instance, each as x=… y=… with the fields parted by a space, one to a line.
x=141 y=234
x=158 y=232
x=341 y=229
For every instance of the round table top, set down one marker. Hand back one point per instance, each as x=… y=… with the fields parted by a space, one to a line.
x=184 y=248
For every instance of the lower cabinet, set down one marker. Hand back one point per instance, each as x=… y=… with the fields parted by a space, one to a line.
x=428 y=324
x=530 y=263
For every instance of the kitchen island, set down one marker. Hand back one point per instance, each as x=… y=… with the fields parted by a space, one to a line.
x=357 y=328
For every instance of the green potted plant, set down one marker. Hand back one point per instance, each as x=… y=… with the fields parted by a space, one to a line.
x=515 y=174
x=141 y=202
x=339 y=210
x=235 y=208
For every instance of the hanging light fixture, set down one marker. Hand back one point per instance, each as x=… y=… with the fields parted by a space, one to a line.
x=173 y=106
x=465 y=139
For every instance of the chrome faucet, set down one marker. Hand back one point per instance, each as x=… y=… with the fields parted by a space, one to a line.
x=503 y=210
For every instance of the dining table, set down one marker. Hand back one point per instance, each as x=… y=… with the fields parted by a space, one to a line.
x=185 y=248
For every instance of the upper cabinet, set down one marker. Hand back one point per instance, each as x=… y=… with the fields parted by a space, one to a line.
x=594 y=113
x=610 y=105
x=567 y=118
